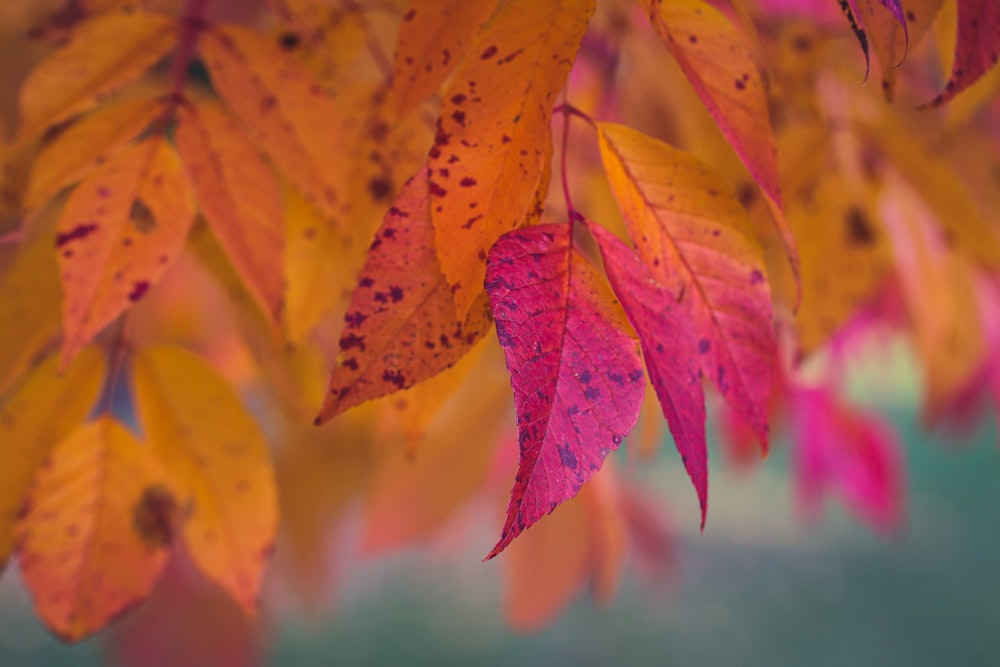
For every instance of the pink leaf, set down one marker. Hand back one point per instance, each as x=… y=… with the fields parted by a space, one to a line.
x=977 y=47
x=848 y=450
x=576 y=374
x=670 y=348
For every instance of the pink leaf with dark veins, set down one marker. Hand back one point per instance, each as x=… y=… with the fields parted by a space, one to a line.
x=670 y=347
x=576 y=374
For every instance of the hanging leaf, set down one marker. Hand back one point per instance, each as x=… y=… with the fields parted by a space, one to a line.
x=696 y=241
x=199 y=428
x=402 y=327
x=284 y=111
x=670 y=348
x=42 y=412
x=106 y=54
x=493 y=139
x=118 y=234
x=93 y=532
x=238 y=196
x=977 y=47
x=577 y=378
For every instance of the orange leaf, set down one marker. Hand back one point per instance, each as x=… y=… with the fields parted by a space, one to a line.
x=712 y=54
x=432 y=39
x=91 y=540
x=493 y=138
x=43 y=411
x=402 y=327
x=214 y=449
x=698 y=242
x=118 y=234
x=239 y=198
x=105 y=55
x=85 y=145
x=284 y=110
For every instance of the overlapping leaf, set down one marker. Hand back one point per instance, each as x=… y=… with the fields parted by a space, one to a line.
x=402 y=325
x=670 y=348
x=977 y=47
x=105 y=54
x=118 y=234
x=43 y=411
x=696 y=241
x=577 y=377
x=238 y=196
x=284 y=109
x=93 y=534
x=198 y=427
x=432 y=40
x=492 y=143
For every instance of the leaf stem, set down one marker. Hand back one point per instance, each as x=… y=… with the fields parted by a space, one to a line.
x=192 y=23
x=567 y=110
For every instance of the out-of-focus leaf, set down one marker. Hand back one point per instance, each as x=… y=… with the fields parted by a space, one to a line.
x=432 y=40
x=577 y=377
x=105 y=55
x=493 y=140
x=696 y=241
x=402 y=326
x=43 y=411
x=118 y=234
x=92 y=536
x=239 y=197
x=212 y=446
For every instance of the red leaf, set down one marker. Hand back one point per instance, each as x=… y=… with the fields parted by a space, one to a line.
x=852 y=451
x=977 y=47
x=670 y=348
x=577 y=379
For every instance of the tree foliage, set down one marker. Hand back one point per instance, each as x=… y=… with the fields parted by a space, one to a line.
x=289 y=259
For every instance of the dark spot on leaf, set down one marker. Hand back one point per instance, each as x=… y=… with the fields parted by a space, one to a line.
x=459 y=117
x=592 y=393
x=488 y=53
x=138 y=290
x=395 y=293
x=350 y=341
x=457 y=99
x=366 y=282
x=467 y=182
x=756 y=277
x=379 y=188
x=704 y=345
x=289 y=41
x=566 y=456
x=78 y=232
x=394 y=377
x=859 y=228
x=154 y=516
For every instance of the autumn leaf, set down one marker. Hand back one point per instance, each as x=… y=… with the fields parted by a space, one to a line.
x=92 y=537
x=432 y=40
x=117 y=236
x=198 y=427
x=696 y=241
x=670 y=349
x=493 y=138
x=87 y=143
x=238 y=196
x=977 y=47
x=284 y=110
x=43 y=410
x=106 y=54
x=577 y=377
x=402 y=326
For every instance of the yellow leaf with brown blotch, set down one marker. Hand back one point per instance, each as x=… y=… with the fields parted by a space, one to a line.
x=285 y=111
x=200 y=429
x=493 y=138
x=85 y=145
x=44 y=410
x=432 y=39
x=106 y=54
x=238 y=196
x=92 y=537
x=118 y=234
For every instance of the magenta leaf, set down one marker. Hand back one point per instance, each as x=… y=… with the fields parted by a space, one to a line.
x=842 y=449
x=977 y=46
x=670 y=348
x=576 y=374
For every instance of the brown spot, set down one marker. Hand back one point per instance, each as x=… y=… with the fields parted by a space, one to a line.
x=142 y=218
x=467 y=182
x=154 y=516
x=289 y=41
x=859 y=228
x=408 y=16
x=459 y=117
x=75 y=234
x=139 y=289
x=488 y=53
x=379 y=188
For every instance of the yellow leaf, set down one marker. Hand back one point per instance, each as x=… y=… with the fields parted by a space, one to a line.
x=43 y=411
x=327 y=38
x=85 y=145
x=118 y=234
x=105 y=55
x=493 y=136
x=92 y=539
x=214 y=449
x=239 y=198
x=284 y=110
x=29 y=302
x=432 y=39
